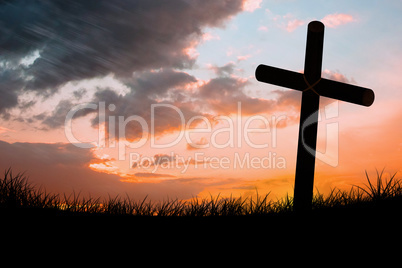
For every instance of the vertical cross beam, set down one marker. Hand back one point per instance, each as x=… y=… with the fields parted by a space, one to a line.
x=305 y=165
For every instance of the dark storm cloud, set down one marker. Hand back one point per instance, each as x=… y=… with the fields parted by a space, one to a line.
x=147 y=88
x=9 y=81
x=176 y=104
x=85 y=39
x=161 y=88
x=227 y=69
x=179 y=98
x=58 y=116
x=157 y=83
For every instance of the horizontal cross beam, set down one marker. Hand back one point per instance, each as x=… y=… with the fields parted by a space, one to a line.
x=323 y=87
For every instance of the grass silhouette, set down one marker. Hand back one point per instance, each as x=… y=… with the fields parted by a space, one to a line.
x=17 y=194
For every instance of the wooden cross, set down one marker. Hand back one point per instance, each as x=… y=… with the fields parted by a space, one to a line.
x=312 y=86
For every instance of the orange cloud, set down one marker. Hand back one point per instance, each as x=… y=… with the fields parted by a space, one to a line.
x=335 y=20
x=200 y=144
x=152 y=175
x=63 y=168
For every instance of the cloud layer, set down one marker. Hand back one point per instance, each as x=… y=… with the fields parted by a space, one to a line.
x=144 y=44
x=335 y=20
x=290 y=23
x=67 y=172
x=76 y=40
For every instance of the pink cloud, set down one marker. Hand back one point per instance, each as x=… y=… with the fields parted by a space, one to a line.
x=3 y=129
x=337 y=76
x=290 y=23
x=263 y=29
x=335 y=20
x=245 y=57
x=209 y=36
x=294 y=24
x=251 y=5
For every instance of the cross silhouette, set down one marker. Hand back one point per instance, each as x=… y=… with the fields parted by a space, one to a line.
x=312 y=86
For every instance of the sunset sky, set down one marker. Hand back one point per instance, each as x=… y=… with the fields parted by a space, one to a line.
x=159 y=98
